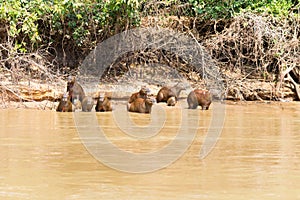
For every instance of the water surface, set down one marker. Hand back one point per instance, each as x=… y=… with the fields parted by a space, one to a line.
x=256 y=157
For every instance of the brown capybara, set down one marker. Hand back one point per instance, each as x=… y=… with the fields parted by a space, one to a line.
x=166 y=92
x=65 y=104
x=103 y=104
x=140 y=94
x=75 y=90
x=199 y=97
x=171 y=101
x=87 y=104
x=140 y=105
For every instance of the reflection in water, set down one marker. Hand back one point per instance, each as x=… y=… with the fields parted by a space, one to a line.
x=256 y=157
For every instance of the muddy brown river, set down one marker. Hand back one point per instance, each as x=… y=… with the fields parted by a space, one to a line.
x=257 y=155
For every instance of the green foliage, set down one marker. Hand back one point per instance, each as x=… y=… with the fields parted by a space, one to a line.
x=122 y=13
x=225 y=9
x=214 y=9
x=277 y=8
x=35 y=23
x=20 y=22
x=32 y=23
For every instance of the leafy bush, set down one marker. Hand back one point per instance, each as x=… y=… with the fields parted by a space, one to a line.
x=31 y=23
x=226 y=9
x=43 y=22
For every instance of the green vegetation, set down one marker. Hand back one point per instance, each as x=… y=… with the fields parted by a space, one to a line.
x=71 y=28
x=31 y=24
x=35 y=23
x=227 y=9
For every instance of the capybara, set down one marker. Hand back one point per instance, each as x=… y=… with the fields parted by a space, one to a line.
x=104 y=104
x=65 y=104
x=140 y=94
x=199 y=97
x=166 y=92
x=140 y=105
x=87 y=104
x=171 y=101
x=75 y=90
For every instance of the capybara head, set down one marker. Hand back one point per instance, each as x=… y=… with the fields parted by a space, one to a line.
x=171 y=101
x=70 y=83
x=199 y=97
x=143 y=93
x=65 y=104
x=103 y=104
x=149 y=101
x=75 y=90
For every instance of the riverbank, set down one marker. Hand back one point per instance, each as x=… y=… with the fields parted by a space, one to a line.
x=247 y=74
x=46 y=96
